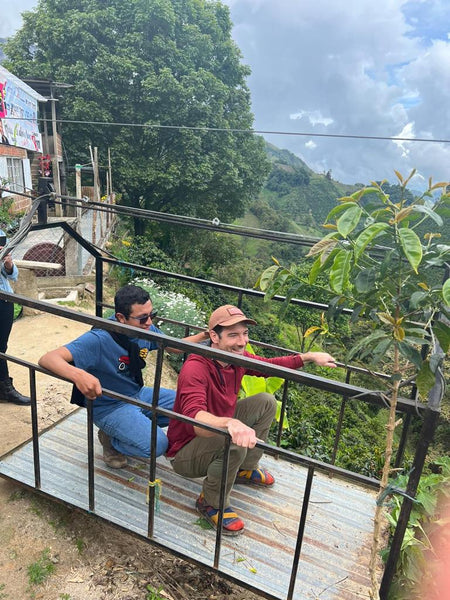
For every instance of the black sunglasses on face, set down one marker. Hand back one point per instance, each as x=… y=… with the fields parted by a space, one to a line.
x=144 y=319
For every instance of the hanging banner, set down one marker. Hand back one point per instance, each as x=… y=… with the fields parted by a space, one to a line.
x=18 y=113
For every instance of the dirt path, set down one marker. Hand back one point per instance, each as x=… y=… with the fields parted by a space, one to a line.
x=82 y=559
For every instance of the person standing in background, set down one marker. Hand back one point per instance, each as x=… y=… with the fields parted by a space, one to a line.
x=8 y=272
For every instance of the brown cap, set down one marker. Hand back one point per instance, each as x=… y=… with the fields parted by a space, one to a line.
x=228 y=315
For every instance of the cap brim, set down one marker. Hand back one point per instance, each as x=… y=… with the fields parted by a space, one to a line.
x=234 y=321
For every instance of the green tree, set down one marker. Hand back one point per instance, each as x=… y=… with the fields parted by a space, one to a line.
x=170 y=65
x=378 y=265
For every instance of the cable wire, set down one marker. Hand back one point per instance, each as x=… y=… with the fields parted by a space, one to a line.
x=252 y=131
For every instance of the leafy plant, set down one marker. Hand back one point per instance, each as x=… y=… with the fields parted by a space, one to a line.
x=154 y=594
x=415 y=566
x=41 y=569
x=376 y=263
x=140 y=250
x=18 y=310
x=174 y=306
x=5 y=207
x=312 y=429
x=252 y=385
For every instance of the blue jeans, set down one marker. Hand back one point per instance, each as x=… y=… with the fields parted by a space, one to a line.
x=129 y=426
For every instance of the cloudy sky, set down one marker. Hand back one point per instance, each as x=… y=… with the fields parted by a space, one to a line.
x=357 y=68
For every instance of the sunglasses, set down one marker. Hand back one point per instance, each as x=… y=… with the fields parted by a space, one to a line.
x=144 y=319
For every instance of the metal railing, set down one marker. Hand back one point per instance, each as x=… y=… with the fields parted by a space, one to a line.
x=346 y=390
x=408 y=406
x=164 y=342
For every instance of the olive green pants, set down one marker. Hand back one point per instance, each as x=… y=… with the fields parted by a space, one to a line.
x=203 y=456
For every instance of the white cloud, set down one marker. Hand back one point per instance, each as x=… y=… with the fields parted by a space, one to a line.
x=356 y=68
x=11 y=19
x=314 y=117
x=359 y=67
x=406 y=132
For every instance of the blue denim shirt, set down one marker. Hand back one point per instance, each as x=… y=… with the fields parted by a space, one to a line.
x=5 y=277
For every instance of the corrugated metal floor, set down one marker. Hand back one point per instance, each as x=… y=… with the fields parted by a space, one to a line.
x=335 y=551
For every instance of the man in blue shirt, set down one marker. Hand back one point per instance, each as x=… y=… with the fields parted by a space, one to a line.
x=98 y=359
x=8 y=272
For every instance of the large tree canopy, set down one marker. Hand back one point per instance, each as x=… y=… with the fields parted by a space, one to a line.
x=169 y=63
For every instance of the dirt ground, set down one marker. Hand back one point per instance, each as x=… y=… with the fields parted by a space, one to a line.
x=76 y=556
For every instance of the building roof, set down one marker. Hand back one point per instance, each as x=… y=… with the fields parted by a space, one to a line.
x=5 y=74
x=46 y=87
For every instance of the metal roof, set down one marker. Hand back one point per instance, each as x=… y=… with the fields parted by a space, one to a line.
x=46 y=87
x=336 y=547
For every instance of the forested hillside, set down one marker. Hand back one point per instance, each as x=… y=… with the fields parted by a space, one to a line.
x=294 y=199
x=297 y=192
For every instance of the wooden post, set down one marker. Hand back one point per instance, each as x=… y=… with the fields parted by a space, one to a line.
x=55 y=162
x=94 y=169
x=79 y=215
x=78 y=181
x=110 y=189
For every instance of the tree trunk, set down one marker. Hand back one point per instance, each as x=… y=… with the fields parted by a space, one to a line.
x=378 y=518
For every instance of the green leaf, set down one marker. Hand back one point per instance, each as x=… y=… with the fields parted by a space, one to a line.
x=428 y=501
x=325 y=244
x=315 y=270
x=442 y=332
x=252 y=385
x=349 y=220
x=339 y=273
x=411 y=247
x=203 y=523
x=410 y=353
x=429 y=212
x=278 y=416
x=339 y=209
x=273 y=384
x=357 y=313
x=366 y=236
x=446 y=292
x=365 y=281
x=267 y=276
x=366 y=342
x=418 y=331
x=273 y=280
x=410 y=339
x=416 y=298
x=383 y=346
x=435 y=362
x=367 y=190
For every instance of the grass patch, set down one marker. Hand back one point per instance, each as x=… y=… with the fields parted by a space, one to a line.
x=41 y=569
x=17 y=495
x=79 y=543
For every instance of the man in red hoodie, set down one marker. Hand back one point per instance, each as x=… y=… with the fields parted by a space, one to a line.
x=207 y=392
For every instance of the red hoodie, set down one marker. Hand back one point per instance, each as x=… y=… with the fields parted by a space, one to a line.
x=204 y=384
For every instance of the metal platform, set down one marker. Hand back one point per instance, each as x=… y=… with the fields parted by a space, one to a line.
x=336 y=547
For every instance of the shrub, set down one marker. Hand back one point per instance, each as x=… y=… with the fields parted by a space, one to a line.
x=417 y=565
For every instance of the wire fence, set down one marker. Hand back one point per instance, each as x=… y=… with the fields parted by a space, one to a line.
x=54 y=245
